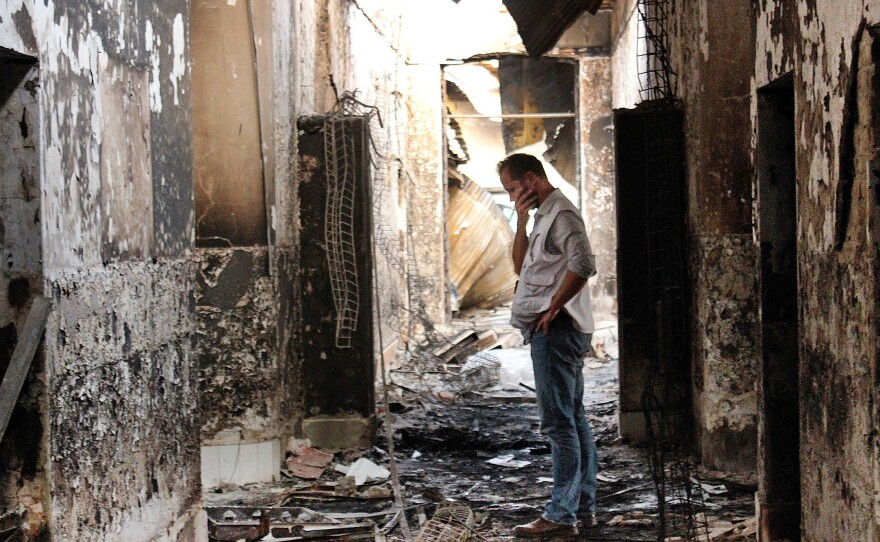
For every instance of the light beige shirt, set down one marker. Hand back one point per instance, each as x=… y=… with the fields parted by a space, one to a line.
x=558 y=244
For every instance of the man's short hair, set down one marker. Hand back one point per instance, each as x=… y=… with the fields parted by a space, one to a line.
x=517 y=165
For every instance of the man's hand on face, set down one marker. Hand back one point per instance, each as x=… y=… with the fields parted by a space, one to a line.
x=526 y=200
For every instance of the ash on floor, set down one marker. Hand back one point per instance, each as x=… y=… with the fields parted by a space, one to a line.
x=447 y=449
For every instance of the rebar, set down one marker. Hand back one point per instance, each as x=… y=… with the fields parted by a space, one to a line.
x=657 y=79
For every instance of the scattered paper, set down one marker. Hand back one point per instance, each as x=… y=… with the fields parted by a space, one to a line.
x=508 y=461
x=416 y=454
x=364 y=470
x=545 y=480
x=602 y=477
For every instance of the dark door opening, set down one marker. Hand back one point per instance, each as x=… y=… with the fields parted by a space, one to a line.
x=495 y=107
x=779 y=409
x=653 y=285
x=22 y=443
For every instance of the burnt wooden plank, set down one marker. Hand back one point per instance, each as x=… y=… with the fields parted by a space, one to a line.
x=22 y=357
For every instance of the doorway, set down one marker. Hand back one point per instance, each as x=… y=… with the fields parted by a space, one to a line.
x=778 y=395
x=496 y=106
x=22 y=449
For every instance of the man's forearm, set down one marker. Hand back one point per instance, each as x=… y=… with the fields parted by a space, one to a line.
x=571 y=285
x=520 y=246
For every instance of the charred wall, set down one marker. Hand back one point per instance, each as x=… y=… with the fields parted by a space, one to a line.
x=597 y=178
x=363 y=46
x=111 y=122
x=337 y=334
x=829 y=46
x=244 y=300
x=124 y=401
x=711 y=47
x=237 y=334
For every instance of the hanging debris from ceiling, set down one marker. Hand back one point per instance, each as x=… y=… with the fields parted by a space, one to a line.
x=541 y=24
x=480 y=244
x=529 y=86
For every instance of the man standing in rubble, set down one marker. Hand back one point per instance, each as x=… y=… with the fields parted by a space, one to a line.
x=552 y=309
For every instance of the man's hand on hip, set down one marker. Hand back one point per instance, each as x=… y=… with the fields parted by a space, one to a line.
x=545 y=320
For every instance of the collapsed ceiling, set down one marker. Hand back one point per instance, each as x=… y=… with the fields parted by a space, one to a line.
x=541 y=24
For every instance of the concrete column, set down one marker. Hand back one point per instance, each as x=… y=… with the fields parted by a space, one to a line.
x=426 y=193
x=597 y=180
x=713 y=54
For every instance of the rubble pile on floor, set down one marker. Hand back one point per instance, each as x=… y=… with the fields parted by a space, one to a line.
x=471 y=462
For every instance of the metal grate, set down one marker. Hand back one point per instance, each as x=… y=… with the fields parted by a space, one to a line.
x=656 y=77
x=666 y=397
x=451 y=523
x=342 y=166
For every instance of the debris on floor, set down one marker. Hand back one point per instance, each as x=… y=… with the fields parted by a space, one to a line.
x=362 y=470
x=451 y=523
x=508 y=461
x=471 y=465
x=305 y=462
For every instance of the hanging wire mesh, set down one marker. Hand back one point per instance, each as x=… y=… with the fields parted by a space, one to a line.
x=657 y=79
x=665 y=399
x=406 y=313
x=340 y=151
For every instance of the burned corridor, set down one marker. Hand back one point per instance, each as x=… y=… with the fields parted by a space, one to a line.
x=251 y=244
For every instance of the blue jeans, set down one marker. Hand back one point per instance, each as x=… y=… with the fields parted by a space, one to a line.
x=558 y=362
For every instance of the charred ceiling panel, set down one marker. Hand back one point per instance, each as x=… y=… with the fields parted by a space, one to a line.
x=541 y=24
x=227 y=161
x=540 y=86
x=126 y=172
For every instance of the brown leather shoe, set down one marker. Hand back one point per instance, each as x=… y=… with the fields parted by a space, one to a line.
x=541 y=528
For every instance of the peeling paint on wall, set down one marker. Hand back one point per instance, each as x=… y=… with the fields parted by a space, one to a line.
x=837 y=289
x=123 y=419
x=239 y=375
x=725 y=358
x=115 y=219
